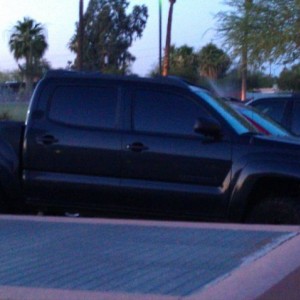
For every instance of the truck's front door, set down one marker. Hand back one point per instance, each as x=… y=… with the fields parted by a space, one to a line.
x=167 y=166
x=72 y=152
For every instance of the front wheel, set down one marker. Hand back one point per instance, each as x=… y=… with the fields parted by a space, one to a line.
x=275 y=211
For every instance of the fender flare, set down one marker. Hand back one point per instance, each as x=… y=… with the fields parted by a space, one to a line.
x=244 y=181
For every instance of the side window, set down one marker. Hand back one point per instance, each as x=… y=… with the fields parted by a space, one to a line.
x=84 y=106
x=161 y=112
x=296 y=118
x=274 y=108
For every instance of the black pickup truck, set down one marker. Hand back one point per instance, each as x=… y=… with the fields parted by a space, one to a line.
x=159 y=146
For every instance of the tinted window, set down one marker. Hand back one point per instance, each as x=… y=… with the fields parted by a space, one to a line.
x=272 y=107
x=84 y=106
x=165 y=113
x=296 y=118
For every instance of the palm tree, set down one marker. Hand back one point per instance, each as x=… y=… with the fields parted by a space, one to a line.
x=213 y=62
x=166 y=64
x=239 y=29
x=28 y=42
x=244 y=54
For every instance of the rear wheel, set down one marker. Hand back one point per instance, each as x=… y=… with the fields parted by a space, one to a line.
x=4 y=208
x=11 y=206
x=275 y=211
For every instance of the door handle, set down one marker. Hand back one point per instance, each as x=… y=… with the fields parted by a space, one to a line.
x=46 y=140
x=136 y=147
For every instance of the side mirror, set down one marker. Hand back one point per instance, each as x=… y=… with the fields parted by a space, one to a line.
x=208 y=127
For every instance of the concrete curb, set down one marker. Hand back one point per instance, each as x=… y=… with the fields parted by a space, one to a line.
x=253 y=280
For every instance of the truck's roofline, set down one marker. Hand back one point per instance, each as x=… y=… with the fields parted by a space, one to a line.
x=169 y=80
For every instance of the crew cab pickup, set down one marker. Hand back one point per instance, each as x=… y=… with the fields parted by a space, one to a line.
x=159 y=146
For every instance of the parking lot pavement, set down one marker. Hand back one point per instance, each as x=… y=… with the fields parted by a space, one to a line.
x=76 y=258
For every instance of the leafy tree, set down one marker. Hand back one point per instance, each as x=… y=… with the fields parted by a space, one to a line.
x=277 y=30
x=260 y=31
x=258 y=80
x=289 y=79
x=28 y=42
x=209 y=62
x=237 y=27
x=213 y=62
x=183 y=63
x=108 y=34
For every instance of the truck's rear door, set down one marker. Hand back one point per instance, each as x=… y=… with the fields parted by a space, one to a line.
x=72 y=152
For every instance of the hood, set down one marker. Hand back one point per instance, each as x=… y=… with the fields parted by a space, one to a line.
x=282 y=152
x=277 y=143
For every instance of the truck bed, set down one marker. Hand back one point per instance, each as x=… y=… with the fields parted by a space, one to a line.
x=12 y=132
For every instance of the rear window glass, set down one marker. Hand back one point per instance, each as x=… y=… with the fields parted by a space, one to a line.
x=274 y=108
x=84 y=106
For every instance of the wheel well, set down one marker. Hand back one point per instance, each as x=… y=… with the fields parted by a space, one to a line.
x=272 y=187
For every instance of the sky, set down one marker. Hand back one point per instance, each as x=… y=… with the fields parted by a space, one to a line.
x=193 y=24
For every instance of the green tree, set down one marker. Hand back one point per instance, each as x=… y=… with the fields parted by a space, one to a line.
x=237 y=28
x=278 y=35
x=183 y=63
x=213 y=62
x=258 y=79
x=28 y=42
x=289 y=79
x=108 y=34
x=260 y=31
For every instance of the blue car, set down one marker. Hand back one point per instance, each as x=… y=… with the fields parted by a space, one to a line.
x=285 y=109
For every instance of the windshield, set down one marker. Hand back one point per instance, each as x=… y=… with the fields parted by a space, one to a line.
x=237 y=122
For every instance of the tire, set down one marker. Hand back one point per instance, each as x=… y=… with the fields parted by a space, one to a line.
x=4 y=208
x=275 y=211
x=9 y=206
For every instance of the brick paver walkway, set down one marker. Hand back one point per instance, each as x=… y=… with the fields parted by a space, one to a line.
x=120 y=257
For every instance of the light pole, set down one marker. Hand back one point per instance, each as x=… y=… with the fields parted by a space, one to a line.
x=160 y=36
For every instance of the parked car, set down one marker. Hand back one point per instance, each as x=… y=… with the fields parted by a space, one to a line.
x=262 y=122
x=160 y=146
x=284 y=109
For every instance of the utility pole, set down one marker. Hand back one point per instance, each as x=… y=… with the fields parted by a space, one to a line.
x=166 y=65
x=80 y=37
